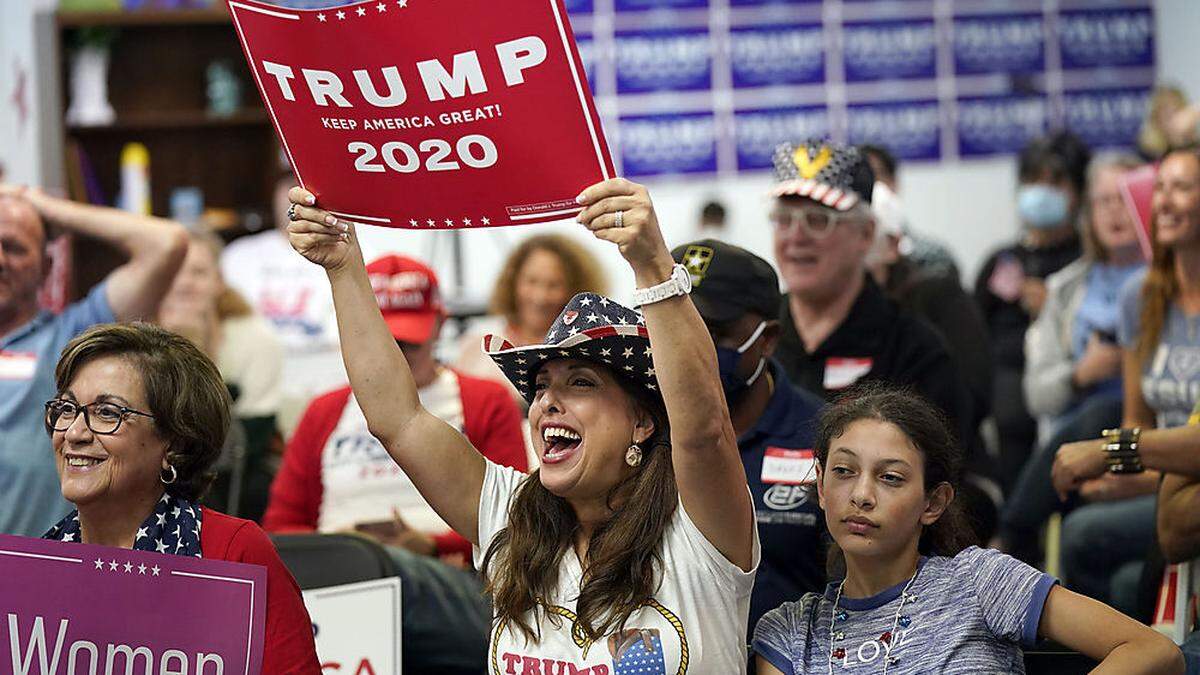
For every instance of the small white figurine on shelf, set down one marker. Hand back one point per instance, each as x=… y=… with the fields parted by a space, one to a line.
x=89 y=80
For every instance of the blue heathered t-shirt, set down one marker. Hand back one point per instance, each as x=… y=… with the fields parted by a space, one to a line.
x=791 y=526
x=30 y=499
x=966 y=614
x=1171 y=377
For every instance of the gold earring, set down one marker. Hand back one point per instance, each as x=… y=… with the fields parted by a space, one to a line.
x=633 y=456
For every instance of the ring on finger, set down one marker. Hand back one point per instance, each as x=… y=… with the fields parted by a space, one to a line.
x=619 y=219
x=291 y=213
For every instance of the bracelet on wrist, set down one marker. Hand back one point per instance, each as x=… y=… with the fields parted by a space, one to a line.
x=1121 y=450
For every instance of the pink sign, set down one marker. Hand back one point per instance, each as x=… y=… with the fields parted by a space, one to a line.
x=1137 y=191
x=76 y=608
x=427 y=114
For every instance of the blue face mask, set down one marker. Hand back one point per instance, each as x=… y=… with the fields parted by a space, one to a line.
x=728 y=361
x=1042 y=207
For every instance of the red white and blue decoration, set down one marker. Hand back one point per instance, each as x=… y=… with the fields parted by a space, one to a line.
x=173 y=527
x=590 y=328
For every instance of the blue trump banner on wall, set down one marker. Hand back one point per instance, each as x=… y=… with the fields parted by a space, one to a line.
x=911 y=129
x=1106 y=118
x=638 y=5
x=664 y=60
x=1005 y=43
x=889 y=49
x=1120 y=37
x=759 y=132
x=773 y=55
x=992 y=125
x=668 y=144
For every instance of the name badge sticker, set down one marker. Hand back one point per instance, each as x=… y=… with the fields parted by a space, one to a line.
x=17 y=365
x=841 y=372
x=791 y=467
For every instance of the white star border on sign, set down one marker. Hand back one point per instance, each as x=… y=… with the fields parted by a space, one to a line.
x=381 y=7
x=436 y=223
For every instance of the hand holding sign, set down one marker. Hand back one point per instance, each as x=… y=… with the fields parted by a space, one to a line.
x=318 y=235
x=421 y=114
x=620 y=211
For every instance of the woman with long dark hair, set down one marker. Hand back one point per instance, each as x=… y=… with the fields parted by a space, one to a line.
x=632 y=548
x=914 y=598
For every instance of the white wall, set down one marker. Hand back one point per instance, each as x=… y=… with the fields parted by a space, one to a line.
x=19 y=150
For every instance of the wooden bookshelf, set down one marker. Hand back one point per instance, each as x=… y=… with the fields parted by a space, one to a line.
x=157 y=86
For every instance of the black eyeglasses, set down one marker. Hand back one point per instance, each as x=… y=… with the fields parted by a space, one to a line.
x=101 y=417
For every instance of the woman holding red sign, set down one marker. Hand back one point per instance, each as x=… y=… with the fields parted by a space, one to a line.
x=633 y=547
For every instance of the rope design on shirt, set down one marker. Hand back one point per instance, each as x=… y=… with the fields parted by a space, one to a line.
x=585 y=644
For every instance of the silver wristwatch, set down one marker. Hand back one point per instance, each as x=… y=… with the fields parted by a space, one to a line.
x=680 y=283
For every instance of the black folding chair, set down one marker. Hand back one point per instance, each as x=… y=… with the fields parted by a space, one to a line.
x=320 y=560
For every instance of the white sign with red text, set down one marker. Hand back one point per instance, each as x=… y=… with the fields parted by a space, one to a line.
x=357 y=627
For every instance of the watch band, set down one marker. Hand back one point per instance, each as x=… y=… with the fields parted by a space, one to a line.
x=678 y=284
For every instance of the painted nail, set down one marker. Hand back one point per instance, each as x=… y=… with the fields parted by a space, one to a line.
x=330 y=220
x=344 y=225
x=310 y=200
x=579 y=199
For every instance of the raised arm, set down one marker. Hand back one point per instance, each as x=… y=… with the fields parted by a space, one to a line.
x=1119 y=643
x=708 y=468
x=155 y=248
x=445 y=468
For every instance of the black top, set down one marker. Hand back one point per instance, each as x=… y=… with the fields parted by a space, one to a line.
x=877 y=341
x=938 y=298
x=1007 y=321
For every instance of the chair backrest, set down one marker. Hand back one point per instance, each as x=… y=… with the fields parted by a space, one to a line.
x=320 y=560
x=1048 y=658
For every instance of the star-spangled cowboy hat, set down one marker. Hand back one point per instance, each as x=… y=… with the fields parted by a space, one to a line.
x=590 y=328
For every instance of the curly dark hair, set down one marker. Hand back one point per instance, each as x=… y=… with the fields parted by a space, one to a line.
x=184 y=391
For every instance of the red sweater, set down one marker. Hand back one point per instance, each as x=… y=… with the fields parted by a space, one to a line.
x=289 y=646
x=491 y=422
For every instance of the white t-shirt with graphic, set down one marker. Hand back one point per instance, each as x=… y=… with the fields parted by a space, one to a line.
x=696 y=622
x=361 y=483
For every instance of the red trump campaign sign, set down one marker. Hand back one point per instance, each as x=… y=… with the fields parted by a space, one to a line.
x=429 y=113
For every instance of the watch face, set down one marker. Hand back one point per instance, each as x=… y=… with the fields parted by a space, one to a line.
x=684 y=278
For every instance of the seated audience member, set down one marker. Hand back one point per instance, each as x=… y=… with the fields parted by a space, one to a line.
x=1170 y=122
x=1011 y=287
x=1073 y=361
x=139 y=418
x=336 y=476
x=928 y=254
x=218 y=320
x=836 y=325
x=537 y=279
x=31 y=339
x=913 y=597
x=1105 y=541
x=294 y=298
x=737 y=295
x=633 y=545
x=932 y=293
x=713 y=222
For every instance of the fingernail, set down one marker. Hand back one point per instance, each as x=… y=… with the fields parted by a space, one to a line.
x=310 y=200
x=579 y=199
x=330 y=220
x=345 y=236
x=344 y=225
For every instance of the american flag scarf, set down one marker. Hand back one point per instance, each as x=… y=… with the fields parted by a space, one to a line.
x=173 y=527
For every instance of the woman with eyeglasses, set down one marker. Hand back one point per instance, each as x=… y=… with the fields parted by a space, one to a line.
x=139 y=419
